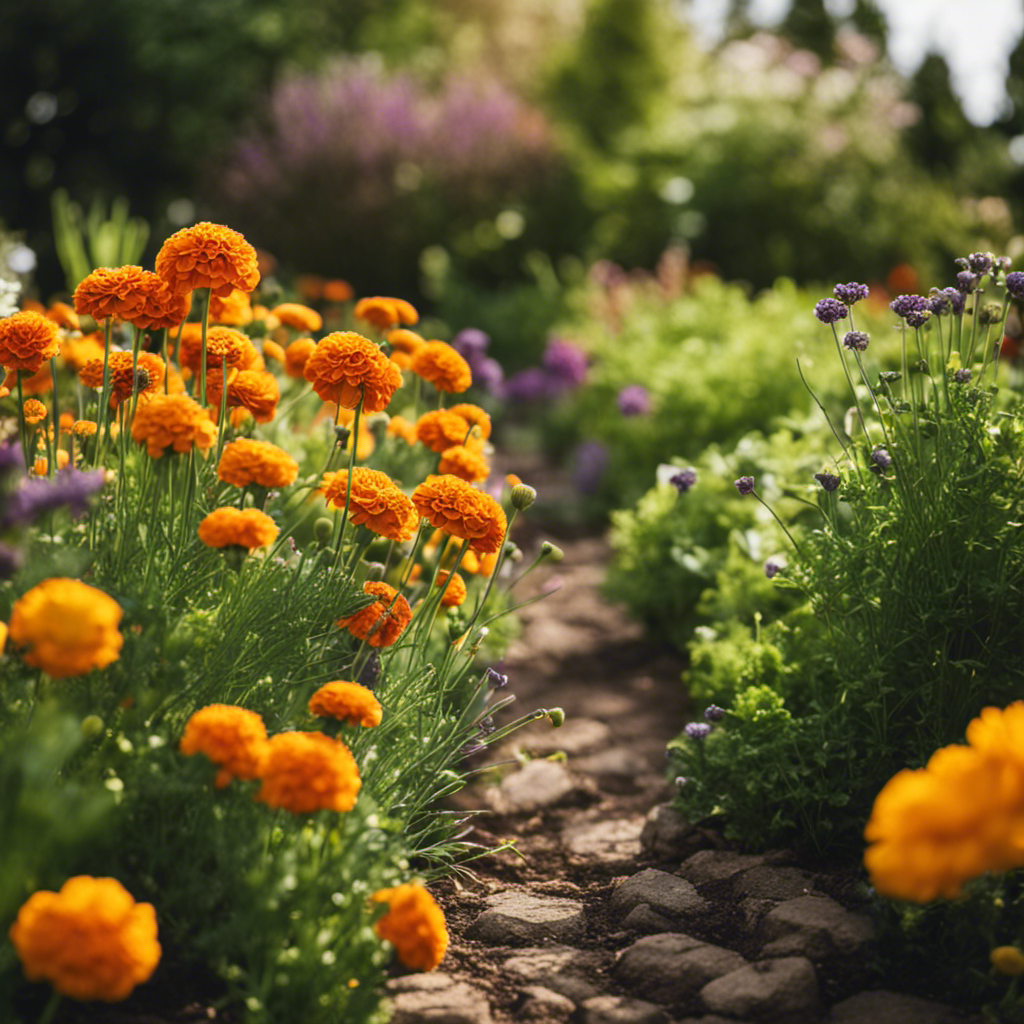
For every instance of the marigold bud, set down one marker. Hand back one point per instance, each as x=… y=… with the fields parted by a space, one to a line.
x=556 y=716
x=552 y=551
x=523 y=496
x=323 y=530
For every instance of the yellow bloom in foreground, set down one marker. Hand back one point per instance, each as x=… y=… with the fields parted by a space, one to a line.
x=348 y=702
x=66 y=627
x=233 y=738
x=414 y=924
x=305 y=772
x=91 y=940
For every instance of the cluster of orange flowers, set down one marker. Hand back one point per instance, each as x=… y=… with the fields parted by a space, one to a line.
x=381 y=623
x=414 y=924
x=458 y=508
x=375 y=501
x=962 y=815
x=175 y=422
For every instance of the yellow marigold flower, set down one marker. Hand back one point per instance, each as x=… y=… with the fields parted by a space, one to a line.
x=254 y=390
x=41 y=465
x=439 y=363
x=208 y=256
x=63 y=315
x=91 y=940
x=455 y=588
x=381 y=623
x=27 y=340
x=133 y=294
x=238 y=527
x=147 y=374
x=460 y=509
x=347 y=368
x=66 y=627
x=172 y=421
x=1008 y=960
x=305 y=772
x=474 y=416
x=233 y=309
x=414 y=924
x=384 y=312
x=233 y=738
x=464 y=463
x=76 y=352
x=442 y=429
x=399 y=426
x=376 y=502
x=348 y=702
x=33 y=411
x=3 y=635
x=337 y=290
x=84 y=428
x=244 y=462
x=296 y=355
x=271 y=350
x=294 y=314
x=222 y=343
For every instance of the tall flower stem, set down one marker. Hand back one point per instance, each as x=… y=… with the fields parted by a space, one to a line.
x=348 y=486
x=21 y=420
x=792 y=540
x=223 y=402
x=103 y=414
x=56 y=420
x=201 y=397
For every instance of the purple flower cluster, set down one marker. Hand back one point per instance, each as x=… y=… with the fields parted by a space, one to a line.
x=856 y=340
x=981 y=262
x=829 y=311
x=745 y=485
x=1015 y=284
x=881 y=458
x=903 y=305
x=698 y=730
x=829 y=481
x=472 y=345
x=962 y=376
x=592 y=458
x=684 y=479
x=918 y=317
x=713 y=713
x=563 y=369
x=634 y=400
x=948 y=300
x=966 y=281
x=36 y=496
x=850 y=293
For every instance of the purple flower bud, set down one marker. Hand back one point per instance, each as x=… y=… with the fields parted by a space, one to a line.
x=980 y=262
x=698 y=730
x=745 y=485
x=948 y=300
x=495 y=679
x=918 y=317
x=634 y=400
x=881 y=458
x=850 y=293
x=472 y=748
x=966 y=282
x=904 y=304
x=713 y=713
x=828 y=311
x=1015 y=284
x=566 y=363
x=830 y=481
x=962 y=376
x=471 y=342
x=488 y=374
x=773 y=567
x=857 y=340
x=684 y=479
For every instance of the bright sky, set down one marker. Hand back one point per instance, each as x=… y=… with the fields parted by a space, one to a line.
x=975 y=37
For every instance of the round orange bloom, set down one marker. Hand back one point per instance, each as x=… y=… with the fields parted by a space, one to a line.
x=460 y=509
x=172 y=421
x=84 y=428
x=221 y=343
x=305 y=772
x=337 y=290
x=254 y=390
x=66 y=627
x=233 y=309
x=465 y=463
x=442 y=429
x=133 y=294
x=27 y=340
x=439 y=363
x=296 y=355
x=381 y=623
x=66 y=422
x=238 y=527
x=403 y=340
x=33 y=411
x=348 y=702
x=294 y=314
x=91 y=940
x=513 y=480
x=63 y=315
x=271 y=350
x=208 y=256
x=399 y=426
x=76 y=352
x=347 y=368
x=244 y=462
x=309 y=286
x=41 y=465
x=414 y=924
x=377 y=502
x=148 y=375
x=233 y=738
x=482 y=565
x=455 y=589
x=385 y=312
x=474 y=416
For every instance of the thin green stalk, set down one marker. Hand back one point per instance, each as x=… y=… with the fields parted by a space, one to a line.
x=201 y=397
x=22 y=428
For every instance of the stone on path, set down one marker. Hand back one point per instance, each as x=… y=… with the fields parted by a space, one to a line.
x=717 y=865
x=560 y=968
x=646 y=921
x=544 y=1006
x=784 y=989
x=663 y=893
x=605 y=842
x=436 y=999
x=881 y=1007
x=537 y=784
x=672 y=967
x=774 y=883
x=577 y=736
x=668 y=835
x=615 y=762
x=516 y=918
x=815 y=927
x=620 y=1010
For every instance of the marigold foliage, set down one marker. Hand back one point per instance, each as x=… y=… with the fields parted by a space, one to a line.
x=376 y=502
x=90 y=940
x=381 y=623
x=348 y=702
x=442 y=429
x=345 y=368
x=455 y=588
x=244 y=462
x=66 y=628
x=414 y=924
x=384 y=312
x=233 y=738
x=460 y=509
x=305 y=772
x=177 y=422
x=238 y=527
x=27 y=340
x=441 y=365
x=208 y=256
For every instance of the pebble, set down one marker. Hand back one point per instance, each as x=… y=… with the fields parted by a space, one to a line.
x=615 y=762
x=620 y=1010
x=665 y=894
x=536 y=785
x=769 y=989
x=544 y=1006
x=671 y=968
x=816 y=927
x=436 y=999
x=516 y=918
x=606 y=842
x=881 y=1007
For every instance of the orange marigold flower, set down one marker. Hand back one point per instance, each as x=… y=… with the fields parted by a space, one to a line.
x=221 y=343
x=442 y=429
x=464 y=463
x=454 y=588
x=271 y=350
x=460 y=509
x=377 y=502
x=148 y=375
x=381 y=623
x=244 y=462
x=414 y=924
x=255 y=390
x=296 y=355
x=233 y=738
x=66 y=627
x=337 y=290
x=439 y=363
x=63 y=315
x=84 y=428
x=172 y=421
x=399 y=426
x=233 y=309
x=384 y=312
x=294 y=314
x=238 y=527
x=348 y=702
x=41 y=465
x=513 y=480
x=208 y=256
x=133 y=294
x=305 y=772
x=474 y=416
x=90 y=940
x=66 y=422
x=309 y=286
x=403 y=340
x=76 y=352
x=347 y=368
x=27 y=340
x=33 y=411
x=484 y=565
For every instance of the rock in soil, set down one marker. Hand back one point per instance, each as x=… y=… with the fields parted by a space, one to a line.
x=436 y=999
x=517 y=918
x=665 y=894
x=537 y=784
x=620 y=1010
x=544 y=1006
x=770 y=990
x=672 y=968
x=881 y=1007
x=815 y=927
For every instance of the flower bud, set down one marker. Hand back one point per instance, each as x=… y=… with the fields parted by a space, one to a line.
x=92 y=726
x=990 y=313
x=375 y=571
x=523 y=496
x=556 y=717
x=552 y=551
x=323 y=529
x=342 y=434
